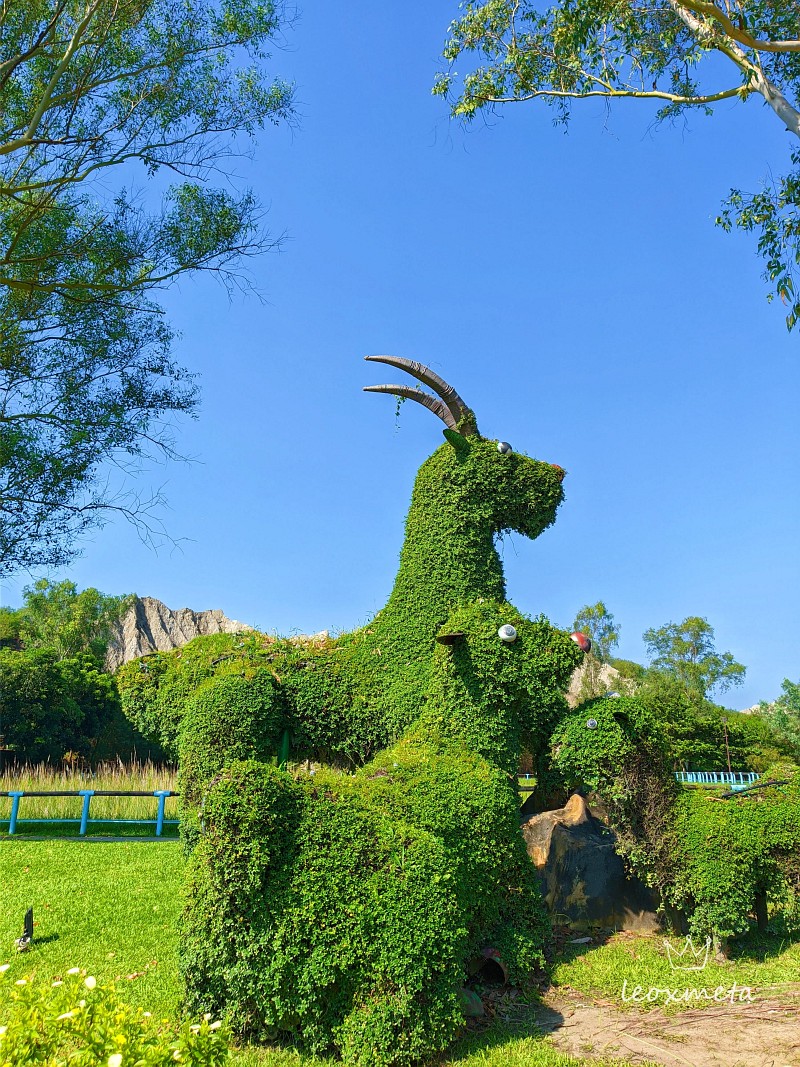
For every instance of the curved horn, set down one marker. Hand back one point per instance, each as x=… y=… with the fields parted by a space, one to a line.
x=452 y=401
x=410 y=392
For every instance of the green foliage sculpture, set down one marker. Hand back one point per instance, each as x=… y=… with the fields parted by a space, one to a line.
x=716 y=861
x=347 y=699
x=344 y=911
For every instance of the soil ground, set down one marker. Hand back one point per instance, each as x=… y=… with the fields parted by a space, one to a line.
x=765 y=1033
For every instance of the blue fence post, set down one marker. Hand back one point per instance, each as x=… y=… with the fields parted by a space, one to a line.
x=87 y=795
x=12 y=823
x=162 y=795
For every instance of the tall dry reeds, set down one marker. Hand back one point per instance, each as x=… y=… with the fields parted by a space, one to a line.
x=145 y=777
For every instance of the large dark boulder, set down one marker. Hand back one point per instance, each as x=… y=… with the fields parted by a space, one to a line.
x=583 y=879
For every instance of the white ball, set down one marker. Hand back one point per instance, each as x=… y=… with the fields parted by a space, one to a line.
x=507 y=633
x=504 y=447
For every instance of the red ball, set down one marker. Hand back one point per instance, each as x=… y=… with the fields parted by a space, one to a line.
x=582 y=641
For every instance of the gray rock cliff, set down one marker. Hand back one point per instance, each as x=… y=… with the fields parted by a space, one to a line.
x=150 y=626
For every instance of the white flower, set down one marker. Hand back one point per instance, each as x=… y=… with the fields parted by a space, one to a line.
x=4 y=967
x=195 y=1028
x=3 y=1030
x=74 y=970
x=215 y=1026
x=66 y=1015
x=115 y=1060
x=21 y=981
x=81 y=1003
x=176 y=1054
x=207 y=1016
x=59 y=982
x=90 y=982
x=147 y=1015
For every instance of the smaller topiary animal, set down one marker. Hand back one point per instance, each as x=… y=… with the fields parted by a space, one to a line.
x=345 y=912
x=715 y=861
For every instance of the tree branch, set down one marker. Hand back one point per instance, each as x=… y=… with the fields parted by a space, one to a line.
x=756 y=79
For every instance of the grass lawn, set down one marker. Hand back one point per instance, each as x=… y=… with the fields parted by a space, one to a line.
x=111 y=907
x=769 y=964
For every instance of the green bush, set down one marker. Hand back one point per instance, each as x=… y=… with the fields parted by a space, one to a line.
x=53 y=706
x=694 y=728
x=595 y=742
x=228 y=718
x=155 y=689
x=311 y=917
x=350 y=697
x=709 y=858
x=81 y=1022
x=730 y=852
x=345 y=911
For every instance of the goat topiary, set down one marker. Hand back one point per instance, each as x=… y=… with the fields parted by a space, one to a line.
x=344 y=911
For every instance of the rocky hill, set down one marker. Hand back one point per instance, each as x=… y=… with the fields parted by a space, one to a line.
x=150 y=626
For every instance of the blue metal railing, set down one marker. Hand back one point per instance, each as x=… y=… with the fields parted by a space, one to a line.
x=733 y=779
x=160 y=821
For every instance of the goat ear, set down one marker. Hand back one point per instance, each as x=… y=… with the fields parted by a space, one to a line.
x=459 y=443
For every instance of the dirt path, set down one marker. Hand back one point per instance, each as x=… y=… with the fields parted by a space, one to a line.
x=765 y=1033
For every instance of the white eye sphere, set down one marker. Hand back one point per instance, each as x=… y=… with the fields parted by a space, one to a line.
x=591 y=724
x=507 y=633
x=504 y=447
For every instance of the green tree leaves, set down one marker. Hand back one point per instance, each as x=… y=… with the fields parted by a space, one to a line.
x=784 y=714
x=597 y=622
x=56 y=616
x=54 y=695
x=677 y=54
x=87 y=381
x=686 y=650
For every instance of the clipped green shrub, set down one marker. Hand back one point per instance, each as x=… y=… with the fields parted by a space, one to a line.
x=79 y=1021
x=498 y=698
x=227 y=718
x=716 y=861
x=334 y=926
x=155 y=689
x=596 y=742
x=728 y=853
x=344 y=912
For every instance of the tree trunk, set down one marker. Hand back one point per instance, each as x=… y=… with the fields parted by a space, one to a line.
x=762 y=914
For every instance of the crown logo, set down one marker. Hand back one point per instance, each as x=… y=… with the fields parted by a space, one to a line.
x=688 y=958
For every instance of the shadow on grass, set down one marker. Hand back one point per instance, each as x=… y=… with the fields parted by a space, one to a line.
x=759 y=947
x=533 y=1019
x=106 y=831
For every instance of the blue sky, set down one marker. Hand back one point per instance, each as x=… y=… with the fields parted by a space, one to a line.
x=574 y=289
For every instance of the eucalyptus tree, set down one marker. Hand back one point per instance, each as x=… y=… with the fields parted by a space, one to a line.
x=96 y=95
x=676 y=54
x=686 y=651
x=597 y=622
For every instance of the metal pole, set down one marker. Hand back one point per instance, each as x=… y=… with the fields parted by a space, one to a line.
x=87 y=795
x=162 y=795
x=283 y=751
x=12 y=825
x=727 y=749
